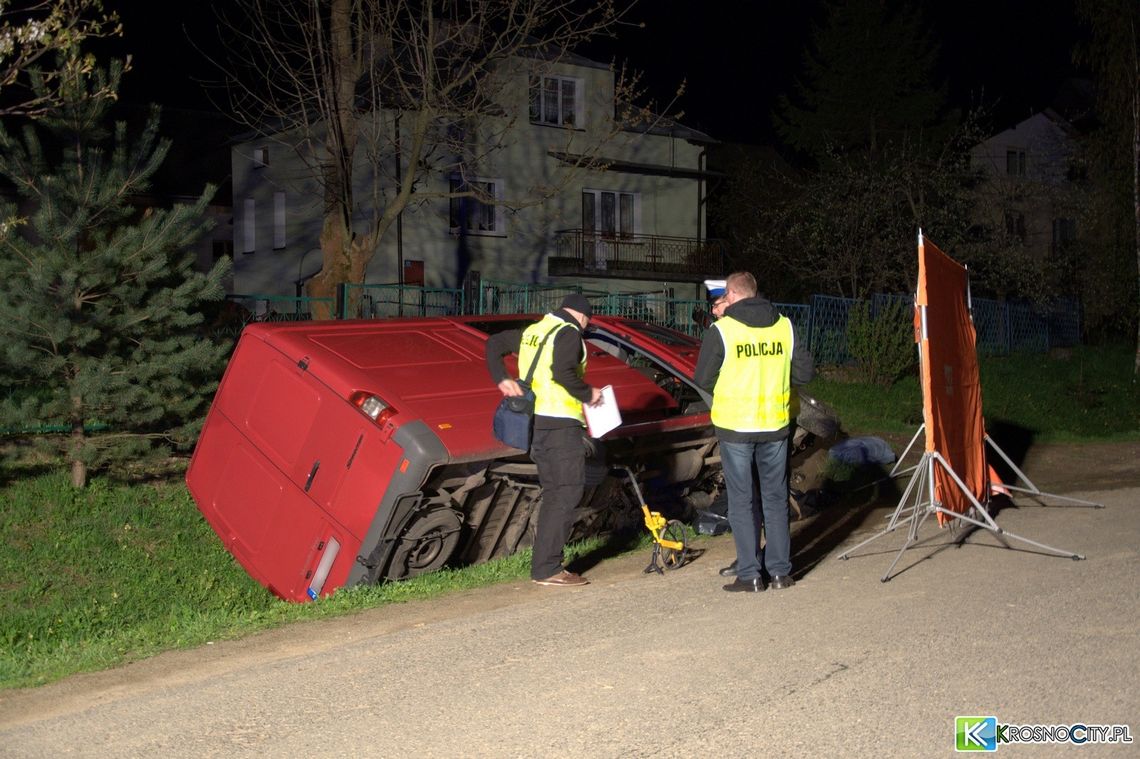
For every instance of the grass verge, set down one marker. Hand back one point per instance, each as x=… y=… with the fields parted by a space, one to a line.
x=114 y=573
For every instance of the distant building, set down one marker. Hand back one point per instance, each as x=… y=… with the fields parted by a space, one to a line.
x=1030 y=170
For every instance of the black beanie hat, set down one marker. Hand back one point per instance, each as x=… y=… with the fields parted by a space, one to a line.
x=578 y=302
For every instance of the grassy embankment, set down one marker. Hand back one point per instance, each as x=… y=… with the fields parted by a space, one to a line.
x=115 y=573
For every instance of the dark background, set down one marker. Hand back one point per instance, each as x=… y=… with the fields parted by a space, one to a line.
x=736 y=56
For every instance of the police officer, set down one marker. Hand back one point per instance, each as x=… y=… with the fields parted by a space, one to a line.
x=749 y=361
x=557 y=445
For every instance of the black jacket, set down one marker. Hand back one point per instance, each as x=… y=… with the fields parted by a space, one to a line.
x=754 y=312
x=567 y=353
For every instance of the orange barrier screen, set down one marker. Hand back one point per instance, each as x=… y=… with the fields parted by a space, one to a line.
x=951 y=385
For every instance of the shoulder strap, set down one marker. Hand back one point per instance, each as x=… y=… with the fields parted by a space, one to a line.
x=534 y=363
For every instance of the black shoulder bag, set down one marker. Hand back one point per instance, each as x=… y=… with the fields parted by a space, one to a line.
x=514 y=418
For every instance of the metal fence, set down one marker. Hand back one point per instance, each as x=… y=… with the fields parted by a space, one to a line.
x=385 y=301
x=521 y=298
x=240 y=309
x=656 y=308
x=1002 y=327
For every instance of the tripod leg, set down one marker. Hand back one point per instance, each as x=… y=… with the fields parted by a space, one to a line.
x=655 y=561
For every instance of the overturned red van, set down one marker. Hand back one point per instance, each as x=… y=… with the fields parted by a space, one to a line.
x=344 y=452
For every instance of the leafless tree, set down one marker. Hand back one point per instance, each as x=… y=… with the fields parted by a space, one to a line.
x=400 y=91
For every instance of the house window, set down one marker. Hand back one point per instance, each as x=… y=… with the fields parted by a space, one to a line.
x=556 y=100
x=1015 y=225
x=248 y=228
x=260 y=157
x=610 y=214
x=1064 y=234
x=477 y=214
x=278 y=220
x=1015 y=163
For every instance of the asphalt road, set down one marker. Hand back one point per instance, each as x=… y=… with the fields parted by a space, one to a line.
x=645 y=665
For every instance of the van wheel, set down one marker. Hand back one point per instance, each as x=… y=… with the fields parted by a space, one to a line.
x=426 y=544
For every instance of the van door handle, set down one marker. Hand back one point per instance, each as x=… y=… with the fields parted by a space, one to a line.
x=312 y=474
x=355 y=448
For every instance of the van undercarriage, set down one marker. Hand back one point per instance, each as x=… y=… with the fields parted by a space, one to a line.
x=471 y=513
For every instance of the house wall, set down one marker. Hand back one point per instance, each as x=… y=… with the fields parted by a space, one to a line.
x=521 y=167
x=1040 y=194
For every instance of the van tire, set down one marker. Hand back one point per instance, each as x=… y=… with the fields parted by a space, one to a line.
x=426 y=544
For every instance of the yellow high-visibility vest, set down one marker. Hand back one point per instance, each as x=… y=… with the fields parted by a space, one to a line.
x=551 y=399
x=753 y=390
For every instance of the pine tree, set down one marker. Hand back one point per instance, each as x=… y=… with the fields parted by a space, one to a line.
x=867 y=81
x=101 y=333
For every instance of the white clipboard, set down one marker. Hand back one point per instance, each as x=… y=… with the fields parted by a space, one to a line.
x=605 y=416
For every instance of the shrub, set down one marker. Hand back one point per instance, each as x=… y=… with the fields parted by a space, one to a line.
x=882 y=344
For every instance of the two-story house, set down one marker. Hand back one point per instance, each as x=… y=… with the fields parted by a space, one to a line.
x=577 y=195
x=1028 y=191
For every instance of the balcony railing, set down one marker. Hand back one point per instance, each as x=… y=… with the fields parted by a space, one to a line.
x=635 y=256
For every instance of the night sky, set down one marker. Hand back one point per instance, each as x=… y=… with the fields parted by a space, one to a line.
x=736 y=55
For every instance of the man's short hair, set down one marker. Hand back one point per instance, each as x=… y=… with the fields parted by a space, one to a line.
x=743 y=283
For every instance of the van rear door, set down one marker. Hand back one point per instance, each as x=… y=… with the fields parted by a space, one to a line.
x=276 y=450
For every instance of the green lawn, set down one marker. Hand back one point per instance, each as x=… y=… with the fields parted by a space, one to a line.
x=1090 y=394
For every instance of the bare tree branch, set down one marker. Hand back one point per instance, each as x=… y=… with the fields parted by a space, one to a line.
x=407 y=92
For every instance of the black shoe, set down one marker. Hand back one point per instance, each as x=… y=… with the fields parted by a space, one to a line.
x=729 y=571
x=779 y=582
x=755 y=585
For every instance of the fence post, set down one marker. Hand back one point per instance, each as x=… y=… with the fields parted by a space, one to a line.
x=340 y=308
x=1007 y=332
x=811 y=325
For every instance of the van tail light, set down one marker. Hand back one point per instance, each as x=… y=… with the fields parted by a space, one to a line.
x=372 y=406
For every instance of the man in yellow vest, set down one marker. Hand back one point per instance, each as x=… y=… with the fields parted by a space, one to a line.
x=749 y=361
x=557 y=445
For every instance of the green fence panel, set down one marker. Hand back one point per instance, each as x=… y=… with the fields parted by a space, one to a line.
x=1001 y=326
x=521 y=297
x=1063 y=319
x=828 y=339
x=990 y=327
x=387 y=301
x=1028 y=332
x=655 y=308
x=800 y=316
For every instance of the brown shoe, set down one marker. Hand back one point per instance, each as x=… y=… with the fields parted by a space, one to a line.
x=564 y=578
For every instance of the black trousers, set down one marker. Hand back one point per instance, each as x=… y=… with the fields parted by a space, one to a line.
x=561 y=459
